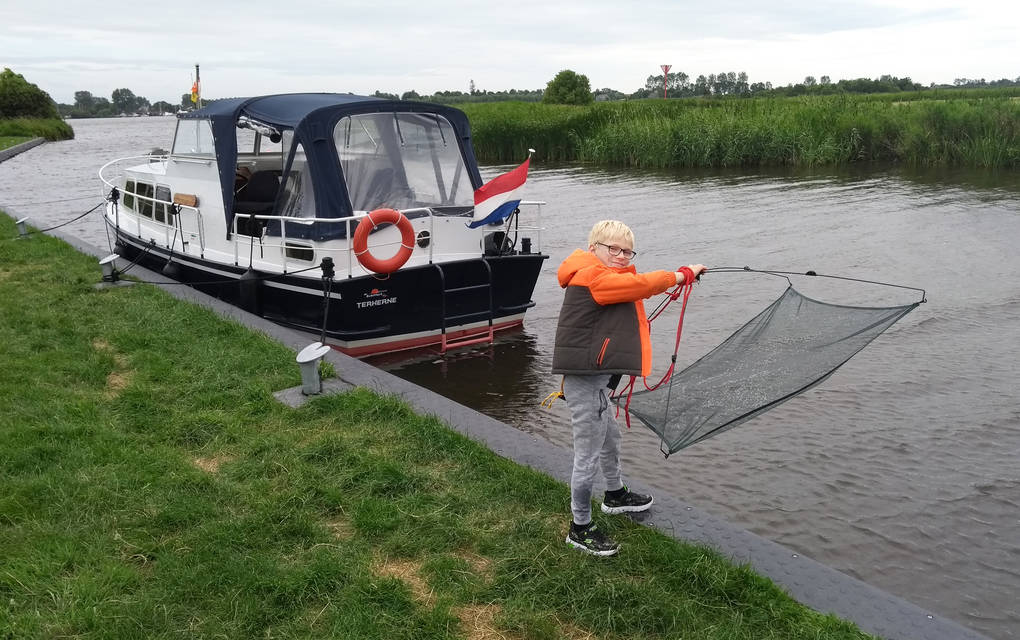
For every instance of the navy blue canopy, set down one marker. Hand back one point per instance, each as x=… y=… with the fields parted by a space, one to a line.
x=312 y=117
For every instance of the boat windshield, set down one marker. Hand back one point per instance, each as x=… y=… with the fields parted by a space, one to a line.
x=194 y=138
x=402 y=161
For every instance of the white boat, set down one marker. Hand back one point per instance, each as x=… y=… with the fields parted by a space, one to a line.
x=340 y=215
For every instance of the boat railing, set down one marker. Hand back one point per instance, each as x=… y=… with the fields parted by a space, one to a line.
x=174 y=223
x=242 y=241
x=535 y=226
x=105 y=169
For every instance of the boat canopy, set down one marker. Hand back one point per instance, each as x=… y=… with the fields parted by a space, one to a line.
x=312 y=118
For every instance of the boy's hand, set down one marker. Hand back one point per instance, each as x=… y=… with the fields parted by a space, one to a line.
x=696 y=270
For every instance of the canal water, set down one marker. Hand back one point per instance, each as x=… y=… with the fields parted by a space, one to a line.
x=902 y=469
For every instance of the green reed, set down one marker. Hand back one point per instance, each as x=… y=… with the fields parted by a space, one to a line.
x=952 y=129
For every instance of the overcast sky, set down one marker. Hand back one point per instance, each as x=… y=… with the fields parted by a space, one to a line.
x=256 y=47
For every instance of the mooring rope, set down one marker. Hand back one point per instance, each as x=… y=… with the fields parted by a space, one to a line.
x=63 y=224
x=32 y=204
x=327 y=290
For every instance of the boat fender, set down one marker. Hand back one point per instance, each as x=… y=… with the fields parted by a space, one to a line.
x=370 y=223
x=250 y=291
x=172 y=270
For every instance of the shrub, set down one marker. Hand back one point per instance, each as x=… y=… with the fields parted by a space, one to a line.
x=22 y=99
x=568 y=88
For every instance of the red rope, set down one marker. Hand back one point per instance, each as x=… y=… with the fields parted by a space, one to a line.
x=681 y=289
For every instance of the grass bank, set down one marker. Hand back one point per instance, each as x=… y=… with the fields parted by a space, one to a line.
x=944 y=129
x=50 y=128
x=6 y=142
x=150 y=486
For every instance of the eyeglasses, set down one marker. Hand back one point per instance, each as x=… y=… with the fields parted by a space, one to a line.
x=615 y=251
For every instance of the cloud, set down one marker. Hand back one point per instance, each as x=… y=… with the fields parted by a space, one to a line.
x=257 y=47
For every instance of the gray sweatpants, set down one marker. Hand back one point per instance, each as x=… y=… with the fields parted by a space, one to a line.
x=596 y=440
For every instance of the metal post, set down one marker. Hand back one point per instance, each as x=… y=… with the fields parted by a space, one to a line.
x=111 y=276
x=308 y=359
x=350 y=250
x=665 y=78
x=109 y=266
x=283 y=241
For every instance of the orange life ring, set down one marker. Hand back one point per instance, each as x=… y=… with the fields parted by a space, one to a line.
x=372 y=222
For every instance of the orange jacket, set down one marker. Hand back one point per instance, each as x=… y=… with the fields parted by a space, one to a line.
x=602 y=315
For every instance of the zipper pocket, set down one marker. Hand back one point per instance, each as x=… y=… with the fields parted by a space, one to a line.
x=602 y=353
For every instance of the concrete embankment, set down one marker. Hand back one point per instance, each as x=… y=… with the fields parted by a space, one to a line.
x=811 y=583
x=10 y=152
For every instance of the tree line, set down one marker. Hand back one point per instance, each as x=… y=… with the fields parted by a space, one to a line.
x=20 y=98
x=472 y=95
x=569 y=87
x=122 y=102
x=729 y=83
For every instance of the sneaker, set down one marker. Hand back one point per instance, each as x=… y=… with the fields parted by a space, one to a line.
x=625 y=502
x=591 y=540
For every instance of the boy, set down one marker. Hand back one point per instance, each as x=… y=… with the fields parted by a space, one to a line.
x=603 y=333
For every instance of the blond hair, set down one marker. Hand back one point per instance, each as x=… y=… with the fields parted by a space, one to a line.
x=606 y=231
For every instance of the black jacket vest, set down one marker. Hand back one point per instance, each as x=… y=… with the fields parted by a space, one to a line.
x=593 y=338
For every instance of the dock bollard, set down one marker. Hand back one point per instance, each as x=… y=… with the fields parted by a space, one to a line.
x=22 y=231
x=308 y=359
x=111 y=276
x=109 y=265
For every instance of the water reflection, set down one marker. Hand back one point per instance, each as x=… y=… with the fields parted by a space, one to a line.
x=505 y=380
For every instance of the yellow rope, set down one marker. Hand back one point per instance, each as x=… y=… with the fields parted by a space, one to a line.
x=551 y=398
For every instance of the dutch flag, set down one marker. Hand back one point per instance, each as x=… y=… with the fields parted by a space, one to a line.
x=498 y=198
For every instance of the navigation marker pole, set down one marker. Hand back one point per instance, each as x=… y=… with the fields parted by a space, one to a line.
x=665 y=77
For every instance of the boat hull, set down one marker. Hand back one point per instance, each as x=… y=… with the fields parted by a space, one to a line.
x=457 y=302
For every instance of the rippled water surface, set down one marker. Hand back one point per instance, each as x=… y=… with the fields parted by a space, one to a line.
x=902 y=469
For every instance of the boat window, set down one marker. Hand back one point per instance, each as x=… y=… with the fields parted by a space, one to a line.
x=194 y=138
x=245 y=140
x=298 y=199
x=161 y=212
x=129 y=194
x=144 y=192
x=267 y=146
x=402 y=160
x=251 y=143
x=299 y=251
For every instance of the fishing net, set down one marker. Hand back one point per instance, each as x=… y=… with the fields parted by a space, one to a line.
x=792 y=345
